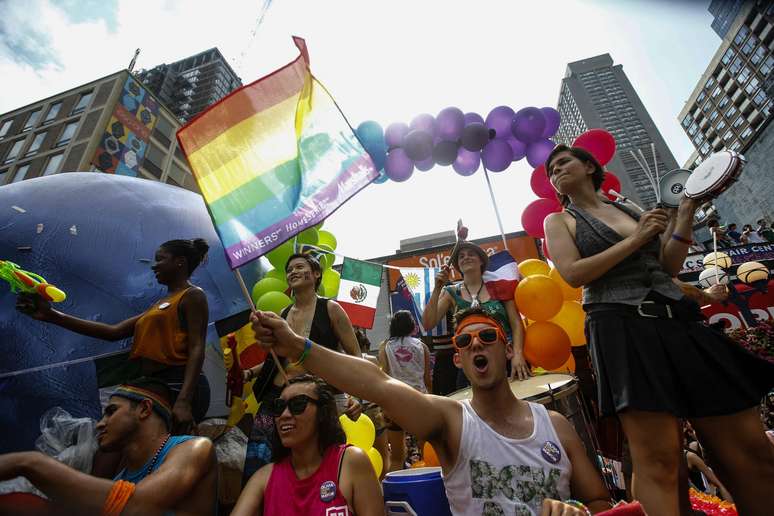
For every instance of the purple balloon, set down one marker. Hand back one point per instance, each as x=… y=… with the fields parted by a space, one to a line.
x=445 y=152
x=424 y=122
x=426 y=164
x=528 y=124
x=467 y=162
x=472 y=118
x=398 y=166
x=418 y=145
x=497 y=155
x=537 y=152
x=519 y=148
x=552 y=121
x=500 y=119
x=394 y=134
x=475 y=136
x=449 y=123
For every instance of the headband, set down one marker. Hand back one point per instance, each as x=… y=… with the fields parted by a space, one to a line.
x=480 y=319
x=134 y=393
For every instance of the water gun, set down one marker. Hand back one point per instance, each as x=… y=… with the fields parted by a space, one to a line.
x=27 y=282
x=235 y=382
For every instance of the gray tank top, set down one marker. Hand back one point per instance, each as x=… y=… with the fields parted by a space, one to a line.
x=630 y=281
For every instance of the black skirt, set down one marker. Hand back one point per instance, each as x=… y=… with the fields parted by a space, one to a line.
x=680 y=366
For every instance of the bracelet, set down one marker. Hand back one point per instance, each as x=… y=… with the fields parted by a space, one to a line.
x=118 y=498
x=683 y=240
x=578 y=505
x=307 y=347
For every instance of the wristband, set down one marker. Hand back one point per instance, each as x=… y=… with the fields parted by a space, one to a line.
x=685 y=241
x=304 y=354
x=578 y=505
x=117 y=498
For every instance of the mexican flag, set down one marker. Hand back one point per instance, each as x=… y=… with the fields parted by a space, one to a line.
x=359 y=290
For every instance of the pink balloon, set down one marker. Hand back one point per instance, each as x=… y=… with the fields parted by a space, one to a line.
x=535 y=213
x=610 y=182
x=599 y=143
x=541 y=185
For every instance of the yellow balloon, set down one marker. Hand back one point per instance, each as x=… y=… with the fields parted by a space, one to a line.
x=533 y=266
x=251 y=404
x=569 y=293
x=571 y=319
x=538 y=297
x=376 y=460
x=360 y=433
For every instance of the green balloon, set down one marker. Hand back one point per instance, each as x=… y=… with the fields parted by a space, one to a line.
x=326 y=238
x=277 y=274
x=330 y=283
x=326 y=259
x=273 y=302
x=279 y=255
x=319 y=225
x=267 y=285
x=308 y=236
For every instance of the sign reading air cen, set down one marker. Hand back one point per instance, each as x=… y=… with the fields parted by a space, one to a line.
x=520 y=245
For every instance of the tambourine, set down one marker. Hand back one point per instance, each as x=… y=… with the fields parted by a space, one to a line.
x=714 y=175
x=672 y=186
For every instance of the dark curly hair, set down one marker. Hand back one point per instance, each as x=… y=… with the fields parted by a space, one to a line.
x=311 y=260
x=193 y=251
x=401 y=324
x=329 y=431
x=584 y=157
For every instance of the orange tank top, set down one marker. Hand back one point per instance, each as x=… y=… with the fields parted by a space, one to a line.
x=158 y=335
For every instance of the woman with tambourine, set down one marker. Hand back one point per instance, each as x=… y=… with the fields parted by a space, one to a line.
x=656 y=360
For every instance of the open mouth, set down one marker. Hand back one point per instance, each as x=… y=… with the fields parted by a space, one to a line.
x=286 y=428
x=481 y=363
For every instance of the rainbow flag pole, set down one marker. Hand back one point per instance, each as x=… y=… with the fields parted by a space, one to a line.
x=272 y=159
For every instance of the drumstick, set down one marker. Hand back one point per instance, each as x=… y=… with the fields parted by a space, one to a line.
x=650 y=173
x=715 y=257
x=623 y=198
x=658 y=180
x=647 y=173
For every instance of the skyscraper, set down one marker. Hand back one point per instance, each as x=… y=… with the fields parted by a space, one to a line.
x=725 y=12
x=730 y=100
x=187 y=87
x=597 y=94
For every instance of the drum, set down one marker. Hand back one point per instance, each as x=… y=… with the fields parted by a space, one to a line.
x=714 y=175
x=415 y=492
x=672 y=186
x=558 y=392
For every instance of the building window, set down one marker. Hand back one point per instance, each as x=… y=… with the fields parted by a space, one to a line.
x=736 y=146
x=724 y=102
x=32 y=119
x=714 y=116
x=735 y=66
x=721 y=125
x=707 y=107
x=749 y=45
x=731 y=112
x=701 y=97
x=20 y=174
x=767 y=66
x=760 y=97
x=36 y=143
x=729 y=134
x=686 y=122
x=5 y=127
x=728 y=56
x=746 y=133
x=744 y=31
x=752 y=85
x=52 y=165
x=83 y=103
x=52 y=112
x=14 y=152
x=716 y=92
x=744 y=75
x=698 y=139
x=705 y=148
x=758 y=55
x=692 y=130
x=739 y=121
x=67 y=134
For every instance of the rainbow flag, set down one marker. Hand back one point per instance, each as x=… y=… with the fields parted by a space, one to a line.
x=273 y=158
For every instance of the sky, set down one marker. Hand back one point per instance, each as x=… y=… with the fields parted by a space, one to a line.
x=382 y=61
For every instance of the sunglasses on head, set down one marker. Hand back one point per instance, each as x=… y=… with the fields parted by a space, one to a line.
x=485 y=335
x=296 y=405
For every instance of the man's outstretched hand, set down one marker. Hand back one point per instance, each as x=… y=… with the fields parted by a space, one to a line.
x=272 y=332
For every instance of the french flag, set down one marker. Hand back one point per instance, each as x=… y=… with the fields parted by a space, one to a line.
x=501 y=276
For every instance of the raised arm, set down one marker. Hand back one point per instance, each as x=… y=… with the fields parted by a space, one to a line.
x=579 y=271
x=195 y=312
x=440 y=301
x=677 y=241
x=40 y=309
x=343 y=329
x=185 y=466
x=250 y=501
x=425 y=416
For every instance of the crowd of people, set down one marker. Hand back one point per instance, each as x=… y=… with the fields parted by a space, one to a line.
x=729 y=236
x=686 y=396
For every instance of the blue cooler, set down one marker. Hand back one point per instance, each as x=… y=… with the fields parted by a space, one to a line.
x=415 y=492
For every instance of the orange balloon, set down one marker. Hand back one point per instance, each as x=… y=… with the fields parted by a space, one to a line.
x=429 y=456
x=571 y=319
x=418 y=464
x=533 y=266
x=538 y=297
x=567 y=367
x=569 y=293
x=546 y=345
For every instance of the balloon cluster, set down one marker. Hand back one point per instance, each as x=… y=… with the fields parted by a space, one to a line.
x=601 y=145
x=554 y=316
x=462 y=140
x=711 y=505
x=361 y=433
x=271 y=292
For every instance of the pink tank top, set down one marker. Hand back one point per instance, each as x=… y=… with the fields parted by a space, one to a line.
x=318 y=495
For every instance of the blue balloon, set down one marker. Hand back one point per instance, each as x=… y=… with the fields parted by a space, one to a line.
x=371 y=136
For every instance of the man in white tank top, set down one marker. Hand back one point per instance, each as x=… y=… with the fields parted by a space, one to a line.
x=499 y=454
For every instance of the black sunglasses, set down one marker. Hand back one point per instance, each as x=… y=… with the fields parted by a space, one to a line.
x=485 y=335
x=296 y=405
